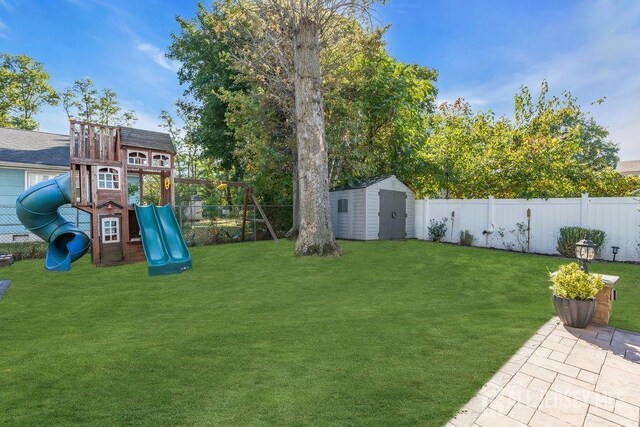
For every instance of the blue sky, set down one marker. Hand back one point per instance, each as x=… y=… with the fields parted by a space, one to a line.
x=483 y=50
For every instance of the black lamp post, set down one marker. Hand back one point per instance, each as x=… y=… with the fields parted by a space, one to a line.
x=585 y=251
x=615 y=250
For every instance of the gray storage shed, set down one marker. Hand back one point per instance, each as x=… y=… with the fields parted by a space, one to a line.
x=380 y=208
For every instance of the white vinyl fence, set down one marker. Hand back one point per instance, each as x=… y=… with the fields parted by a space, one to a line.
x=618 y=217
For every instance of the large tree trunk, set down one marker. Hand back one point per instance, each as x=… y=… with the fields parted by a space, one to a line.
x=315 y=236
x=295 y=228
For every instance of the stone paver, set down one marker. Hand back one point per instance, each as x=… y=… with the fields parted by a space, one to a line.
x=563 y=377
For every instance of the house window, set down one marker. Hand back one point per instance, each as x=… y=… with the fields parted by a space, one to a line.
x=137 y=158
x=108 y=179
x=34 y=178
x=110 y=230
x=343 y=205
x=160 y=160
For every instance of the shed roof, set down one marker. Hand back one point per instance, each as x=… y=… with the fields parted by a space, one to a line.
x=629 y=167
x=31 y=147
x=363 y=183
x=152 y=140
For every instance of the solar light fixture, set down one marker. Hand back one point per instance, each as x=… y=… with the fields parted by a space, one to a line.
x=585 y=252
x=615 y=250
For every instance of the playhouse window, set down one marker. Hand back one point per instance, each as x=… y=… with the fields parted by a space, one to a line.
x=137 y=158
x=110 y=230
x=160 y=160
x=343 y=205
x=108 y=179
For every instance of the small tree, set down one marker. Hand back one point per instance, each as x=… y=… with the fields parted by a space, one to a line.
x=83 y=101
x=24 y=89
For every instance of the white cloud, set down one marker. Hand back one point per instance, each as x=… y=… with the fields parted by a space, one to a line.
x=605 y=64
x=158 y=56
x=3 y=29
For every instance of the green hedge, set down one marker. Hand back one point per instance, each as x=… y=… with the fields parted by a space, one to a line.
x=569 y=236
x=20 y=251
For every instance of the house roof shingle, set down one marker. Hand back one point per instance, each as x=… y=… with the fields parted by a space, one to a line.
x=51 y=149
x=39 y=148
x=628 y=167
x=130 y=137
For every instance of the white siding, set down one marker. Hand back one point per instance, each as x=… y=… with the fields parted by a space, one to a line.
x=358 y=213
x=618 y=217
x=340 y=222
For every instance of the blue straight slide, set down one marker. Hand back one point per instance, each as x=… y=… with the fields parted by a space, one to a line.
x=162 y=240
x=37 y=210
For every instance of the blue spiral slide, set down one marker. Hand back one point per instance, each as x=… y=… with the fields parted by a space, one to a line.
x=37 y=210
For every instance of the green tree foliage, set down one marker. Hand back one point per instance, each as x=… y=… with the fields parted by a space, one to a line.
x=376 y=108
x=380 y=119
x=83 y=101
x=377 y=115
x=24 y=89
x=202 y=47
x=552 y=148
x=190 y=161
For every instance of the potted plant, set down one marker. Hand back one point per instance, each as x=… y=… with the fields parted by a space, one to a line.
x=574 y=293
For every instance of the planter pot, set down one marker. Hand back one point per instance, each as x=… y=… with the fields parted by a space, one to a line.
x=575 y=313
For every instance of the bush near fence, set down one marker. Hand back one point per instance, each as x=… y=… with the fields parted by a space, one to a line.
x=510 y=227
x=570 y=235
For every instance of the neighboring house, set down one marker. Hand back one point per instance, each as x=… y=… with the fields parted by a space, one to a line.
x=629 y=167
x=26 y=158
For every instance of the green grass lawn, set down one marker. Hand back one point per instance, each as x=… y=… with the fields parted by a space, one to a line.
x=391 y=333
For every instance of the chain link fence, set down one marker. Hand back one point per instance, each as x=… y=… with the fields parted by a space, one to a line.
x=215 y=224
x=17 y=240
x=200 y=225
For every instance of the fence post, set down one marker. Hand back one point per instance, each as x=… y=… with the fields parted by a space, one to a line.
x=584 y=210
x=490 y=211
x=425 y=218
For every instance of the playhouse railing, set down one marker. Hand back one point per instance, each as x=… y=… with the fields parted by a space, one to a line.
x=90 y=142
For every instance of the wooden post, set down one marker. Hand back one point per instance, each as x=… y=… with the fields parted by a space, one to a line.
x=81 y=142
x=72 y=139
x=244 y=211
x=92 y=136
x=264 y=217
x=84 y=181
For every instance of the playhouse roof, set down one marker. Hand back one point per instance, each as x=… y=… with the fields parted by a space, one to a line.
x=130 y=137
x=30 y=147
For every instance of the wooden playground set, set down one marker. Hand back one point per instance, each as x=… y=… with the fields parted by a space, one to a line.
x=124 y=179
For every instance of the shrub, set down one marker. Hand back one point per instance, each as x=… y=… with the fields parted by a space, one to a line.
x=569 y=236
x=573 y=283
x=20 y=251
x=521 y=234
x=437 y=229
x=503 y=238
x=466 y=238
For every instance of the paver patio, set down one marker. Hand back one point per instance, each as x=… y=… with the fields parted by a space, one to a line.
x=563 y=377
